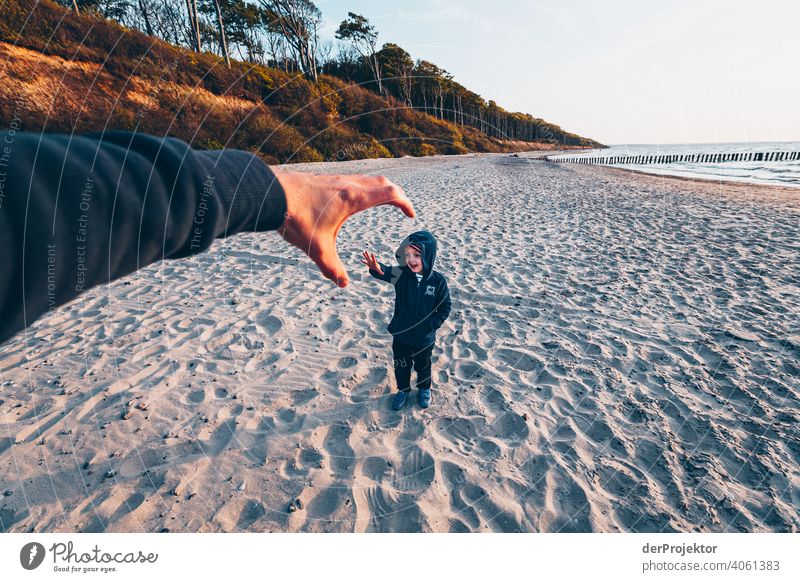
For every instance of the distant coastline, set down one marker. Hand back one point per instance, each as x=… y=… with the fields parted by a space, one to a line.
x=771 y=163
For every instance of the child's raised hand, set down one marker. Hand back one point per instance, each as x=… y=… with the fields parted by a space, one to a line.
x=371 y=262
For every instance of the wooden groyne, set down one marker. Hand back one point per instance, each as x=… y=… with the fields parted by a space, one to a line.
x=673 y=158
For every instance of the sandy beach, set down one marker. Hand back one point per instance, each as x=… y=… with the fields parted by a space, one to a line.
x=623 y=354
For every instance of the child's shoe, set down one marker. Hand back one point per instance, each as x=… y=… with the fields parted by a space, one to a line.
x=424 y=397
x=399 y=400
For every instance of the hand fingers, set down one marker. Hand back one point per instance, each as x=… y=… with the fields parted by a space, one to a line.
x=330 y=265
x=387 y=193
x=403 y=204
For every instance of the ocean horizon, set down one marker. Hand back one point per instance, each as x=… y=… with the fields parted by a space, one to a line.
x=780 y=173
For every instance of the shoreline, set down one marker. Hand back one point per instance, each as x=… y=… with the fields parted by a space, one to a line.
x=794 y=189
x=792 y=192
x=538 y=155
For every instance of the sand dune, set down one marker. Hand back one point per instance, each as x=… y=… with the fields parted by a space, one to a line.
x=622 y=355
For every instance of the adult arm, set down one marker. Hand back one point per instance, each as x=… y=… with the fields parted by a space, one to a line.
x=80 y=210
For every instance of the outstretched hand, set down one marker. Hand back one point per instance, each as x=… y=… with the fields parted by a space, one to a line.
x=318 y=205
x=372 y=262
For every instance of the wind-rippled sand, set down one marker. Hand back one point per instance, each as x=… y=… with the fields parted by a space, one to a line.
x=623 y=354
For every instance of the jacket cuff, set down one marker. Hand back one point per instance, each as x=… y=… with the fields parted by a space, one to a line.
x=251 y=195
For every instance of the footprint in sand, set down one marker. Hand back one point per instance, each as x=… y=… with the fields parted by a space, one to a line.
x=595 y=429
x=377 y=469
x=573 y=509
x=305 y=459
x=287 y=421
x=309 y=457
x=413 y=429
x=472 y=505
x=331 y=378
x=290 y=469
x=352 y=339
x=330 y=501
x=300 y=397
x=127 y=507
x=221 y=436
x=511 y=427
x=466 y=370
x=494 y=400
x=141 y=460
x=466 y=433
x=269 y=322
x=195 y=397
x=337 y=448
x=392 y=512
x=251 y=512
x=459 y=431
x=519 y=360
x=375 y=316
x=479 y=353
x=347 y=362
x=416 y=473
x=238 y=514
x=370 y=387
x=332 y=324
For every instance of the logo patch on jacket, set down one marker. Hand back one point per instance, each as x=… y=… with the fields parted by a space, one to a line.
x=430 y=290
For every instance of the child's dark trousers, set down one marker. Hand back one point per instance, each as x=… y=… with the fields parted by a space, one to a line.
x=405 y=356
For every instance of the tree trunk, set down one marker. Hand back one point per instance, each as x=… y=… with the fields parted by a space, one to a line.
x=196 y=25
x=223 y=41
x=377 y=71
x=143 y=8
x=191 y=6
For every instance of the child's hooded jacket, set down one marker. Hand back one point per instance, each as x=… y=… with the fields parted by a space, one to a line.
x=421 y=306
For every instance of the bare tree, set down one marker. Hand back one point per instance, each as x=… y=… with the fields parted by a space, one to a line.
x=324 y=52
x=194 y=23
x=222 y=39
x=146 y=17
x=276 y=43
x=170 y=24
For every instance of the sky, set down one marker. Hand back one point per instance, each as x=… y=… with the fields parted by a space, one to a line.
x=618 y=71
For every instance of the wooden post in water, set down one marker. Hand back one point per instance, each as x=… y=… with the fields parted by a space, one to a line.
x=640 y=159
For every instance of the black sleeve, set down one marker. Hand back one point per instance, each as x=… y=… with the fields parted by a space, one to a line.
x=443 y=305
x=387 y=273
x=80 y=210
x=390 y=274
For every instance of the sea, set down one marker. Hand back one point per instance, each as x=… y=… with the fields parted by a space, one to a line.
x=783 y=173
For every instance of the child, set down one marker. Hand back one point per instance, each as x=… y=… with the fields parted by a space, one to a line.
x=422 y=304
